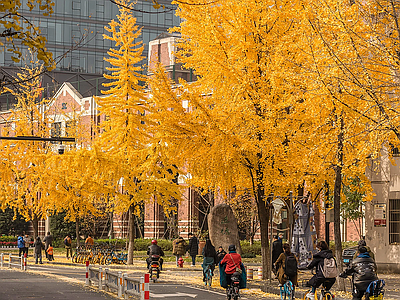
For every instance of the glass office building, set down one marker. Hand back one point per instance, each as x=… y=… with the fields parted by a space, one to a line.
x=74 y=19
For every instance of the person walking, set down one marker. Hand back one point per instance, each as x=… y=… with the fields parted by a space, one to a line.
x=209 y=258
x=363 y=270
x=21 y=244
x=48 y=239
x=38 y=250
x=179 y=248
x=50 y=253
x=68 y=243
x=89 y=242
x=277 y=250
x=193 y=247
x=27 y=241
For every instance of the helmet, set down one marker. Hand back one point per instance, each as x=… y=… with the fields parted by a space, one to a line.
x=154 y=242
x=232 y=248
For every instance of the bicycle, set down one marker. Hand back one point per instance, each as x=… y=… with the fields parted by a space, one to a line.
x=324 y=294
x=374 y=291
x=208 y=276
x=287 y=290
x=232 y=291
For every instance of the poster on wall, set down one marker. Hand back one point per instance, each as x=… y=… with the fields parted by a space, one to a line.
x=380 y=215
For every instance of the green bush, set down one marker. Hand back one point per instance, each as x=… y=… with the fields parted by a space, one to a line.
x=139 y=244
x=250 y=251
x=142 y=244
x=8 y=238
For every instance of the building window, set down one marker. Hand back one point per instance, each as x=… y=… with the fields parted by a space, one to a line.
x=394 y=221
x=70 y=127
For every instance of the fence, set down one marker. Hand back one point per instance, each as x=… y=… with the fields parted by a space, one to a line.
x=13 y=261
x=118 y=282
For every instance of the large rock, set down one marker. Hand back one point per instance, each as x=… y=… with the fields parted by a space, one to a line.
x=222 y=227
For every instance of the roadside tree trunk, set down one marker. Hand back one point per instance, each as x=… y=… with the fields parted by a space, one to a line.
x=336 y=205
x=131 y=234
x=35 y=224
x=78 y=240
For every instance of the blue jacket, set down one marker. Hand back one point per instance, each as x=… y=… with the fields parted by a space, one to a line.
x=21 y=243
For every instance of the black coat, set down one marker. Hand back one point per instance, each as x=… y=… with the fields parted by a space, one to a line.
x=154 y=250
x=318 y=262
x=38 y=246
x=363 y=270
x=193 y=246
x=220 y=255
x=277 y=249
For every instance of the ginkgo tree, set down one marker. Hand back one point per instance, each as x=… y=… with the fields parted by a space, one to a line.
x=134 y=155
x=235 y=135
x=23 y=161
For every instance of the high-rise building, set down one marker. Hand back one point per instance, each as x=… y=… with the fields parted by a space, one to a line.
x=83 y=63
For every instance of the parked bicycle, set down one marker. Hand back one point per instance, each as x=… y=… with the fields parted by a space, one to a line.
x=287 y=290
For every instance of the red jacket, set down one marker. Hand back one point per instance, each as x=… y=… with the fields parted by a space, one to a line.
x=232 y=261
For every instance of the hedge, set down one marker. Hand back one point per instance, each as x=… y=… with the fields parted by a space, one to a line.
x=138 y=245
x=8 y=238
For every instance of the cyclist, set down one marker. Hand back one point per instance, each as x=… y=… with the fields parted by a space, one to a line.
x=362 y=243
x=318 y=263
x=363 y=271
x=287 y=266
x=154 y=249
x=229 y=265
x=209 y=258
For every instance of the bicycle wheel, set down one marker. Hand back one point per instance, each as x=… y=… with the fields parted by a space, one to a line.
x=108 y=259
x=210 y=277
x=289 y=290
x=282 y=292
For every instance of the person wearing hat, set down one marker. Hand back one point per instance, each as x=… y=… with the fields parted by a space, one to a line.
x=363 y=270
x=362 y=243
x=230 y=264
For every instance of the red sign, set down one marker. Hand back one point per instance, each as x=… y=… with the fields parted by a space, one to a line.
x=380 y=223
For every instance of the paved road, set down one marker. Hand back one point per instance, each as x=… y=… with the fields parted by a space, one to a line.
x=23 y=285
x=66 y=283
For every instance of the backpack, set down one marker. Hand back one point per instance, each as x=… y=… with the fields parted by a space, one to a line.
x=329 y=270
x=66 y=242
x=290 y=265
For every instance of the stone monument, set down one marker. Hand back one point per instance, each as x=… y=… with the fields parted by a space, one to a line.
x=222 y=227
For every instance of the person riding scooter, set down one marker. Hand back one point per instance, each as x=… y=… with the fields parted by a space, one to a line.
x=229 y=265
x=363 y=271
x=154 y=249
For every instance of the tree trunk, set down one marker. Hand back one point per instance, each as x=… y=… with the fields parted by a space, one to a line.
x=131 y=234
x=78 y=240
x=336 y=205
x=35 y=224
x=111 y=233
x=263 y=214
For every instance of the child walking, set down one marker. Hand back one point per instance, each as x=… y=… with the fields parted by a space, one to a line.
x=50 y=253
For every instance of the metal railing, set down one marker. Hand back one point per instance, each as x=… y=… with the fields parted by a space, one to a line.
x=118 y=282
x=13 y=261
